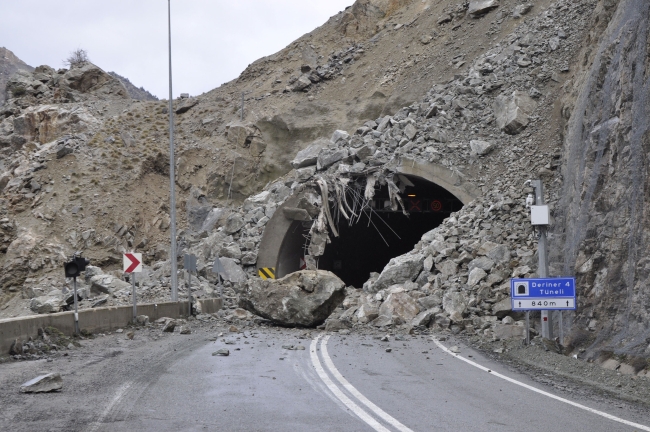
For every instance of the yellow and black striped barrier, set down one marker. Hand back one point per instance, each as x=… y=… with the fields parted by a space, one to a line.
x=267 y=272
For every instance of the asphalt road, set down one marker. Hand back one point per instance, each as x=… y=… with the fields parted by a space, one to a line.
x=337 y=383
x=263 y=387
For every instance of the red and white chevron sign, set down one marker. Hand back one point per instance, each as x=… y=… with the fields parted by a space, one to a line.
x=132 y=262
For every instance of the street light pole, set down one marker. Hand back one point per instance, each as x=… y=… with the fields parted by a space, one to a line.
x=172 y=175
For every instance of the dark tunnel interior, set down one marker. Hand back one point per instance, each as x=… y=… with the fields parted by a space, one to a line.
x=379 y=235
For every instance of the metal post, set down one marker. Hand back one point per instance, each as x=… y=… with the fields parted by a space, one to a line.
x=76 y=309
x=527 y=327
x=542 y=251
x=561 y=328
x=189 y=292
x=172 y=175
x=220 y=285
x=135 y=307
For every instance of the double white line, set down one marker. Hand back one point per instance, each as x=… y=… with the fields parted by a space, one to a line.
x=349 y=403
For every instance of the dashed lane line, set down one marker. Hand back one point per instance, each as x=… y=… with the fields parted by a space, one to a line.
x=338 y=393
x=352 y=390
x=542 y=392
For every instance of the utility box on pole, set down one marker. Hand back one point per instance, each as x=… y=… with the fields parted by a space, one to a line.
x=539 y=215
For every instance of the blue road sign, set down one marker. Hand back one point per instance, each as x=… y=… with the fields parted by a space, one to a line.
x=543 y=294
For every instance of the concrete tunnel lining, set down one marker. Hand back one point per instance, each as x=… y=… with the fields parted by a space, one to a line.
x=279 y=226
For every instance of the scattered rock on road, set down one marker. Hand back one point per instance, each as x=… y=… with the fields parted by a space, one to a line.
x=169 y=326
x=223 y=352
x=43 y=384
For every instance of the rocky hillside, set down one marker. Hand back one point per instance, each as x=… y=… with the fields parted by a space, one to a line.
x=9 y=65
x=492 y=92
x=136 y=93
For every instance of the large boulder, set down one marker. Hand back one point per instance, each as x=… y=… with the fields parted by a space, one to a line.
x=233 y=271
x=89 y=78
x=241 y=135
x=328 y=157
x=512 y=112
x=107 y=284
x=399 y=307
x=309 y=156
x=46 y=304
x=479 y=8
x=454 y=302
x=301 y=299
x=28 y=252
x=399 y=270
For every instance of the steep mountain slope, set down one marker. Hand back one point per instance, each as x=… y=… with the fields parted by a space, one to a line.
x=491 y=96
x=134 y=92
x=9 y=65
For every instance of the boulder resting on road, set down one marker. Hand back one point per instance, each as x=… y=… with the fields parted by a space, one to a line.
x=43 y=384
x=301 y=299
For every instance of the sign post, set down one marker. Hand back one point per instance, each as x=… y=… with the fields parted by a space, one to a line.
x=539 y=209
x=545 y=294
x=132 y=264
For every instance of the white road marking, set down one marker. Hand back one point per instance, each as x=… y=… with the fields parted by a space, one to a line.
x=339 y=394
x=542 y=392
x=350 y=388
x=109 y=407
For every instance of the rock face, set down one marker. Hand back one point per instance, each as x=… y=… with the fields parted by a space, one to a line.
x=603 y=219
x=43 y=384
x=134 y=92
x=9 y=64
x=303 y=299
x=65 y=85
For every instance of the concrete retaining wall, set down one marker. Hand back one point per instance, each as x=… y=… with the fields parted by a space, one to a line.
x=93 y=320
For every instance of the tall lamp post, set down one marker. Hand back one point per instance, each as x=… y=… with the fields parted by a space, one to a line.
x=172 y=188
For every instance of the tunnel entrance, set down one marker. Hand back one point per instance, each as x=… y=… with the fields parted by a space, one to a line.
x=379 y=235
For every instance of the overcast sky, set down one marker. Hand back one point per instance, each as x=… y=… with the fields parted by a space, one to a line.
x=212 y=40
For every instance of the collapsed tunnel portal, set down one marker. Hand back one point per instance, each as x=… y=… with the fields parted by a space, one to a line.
x=380 y=233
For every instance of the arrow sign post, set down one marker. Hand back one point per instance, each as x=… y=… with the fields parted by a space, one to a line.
x=132 y=264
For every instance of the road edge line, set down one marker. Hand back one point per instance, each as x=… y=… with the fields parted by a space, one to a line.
x=118 y=395
x=356 y=393
x=542 y=392
x=356 y=409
